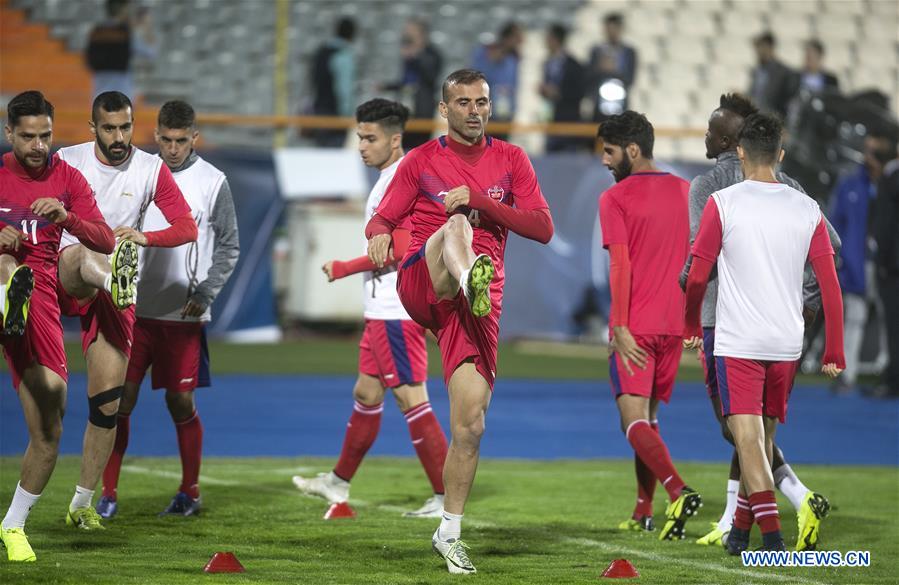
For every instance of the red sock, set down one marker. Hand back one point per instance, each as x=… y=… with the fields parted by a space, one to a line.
x=652 y=450
x=190 y=445
x=743 y=517
x=114 y=465
x=764 y=508
x=361 y=432
x=429 y=442
x=646 y=483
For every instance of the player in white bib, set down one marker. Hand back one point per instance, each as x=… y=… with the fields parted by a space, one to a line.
x=174 y=300
x=100 y=290
x=761 y=233
x=392 y=353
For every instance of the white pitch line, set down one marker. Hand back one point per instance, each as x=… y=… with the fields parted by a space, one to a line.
x=689 y=563
x=173 y=475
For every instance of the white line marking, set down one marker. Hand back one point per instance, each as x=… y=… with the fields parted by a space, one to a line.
x=174 y=475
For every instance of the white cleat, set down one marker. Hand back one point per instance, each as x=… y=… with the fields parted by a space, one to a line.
x=432 y=508
x=455 y=554
x=324 y=485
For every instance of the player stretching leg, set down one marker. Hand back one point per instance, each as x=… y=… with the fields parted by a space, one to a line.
x=721 y=144
x=175 y=295
x=392 y=353
x=761 y=233
x=39 y=197
x=646 y=227
x=464 y=192
x=126 y=181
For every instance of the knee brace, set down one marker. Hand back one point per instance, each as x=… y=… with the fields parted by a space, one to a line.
x=96 y=416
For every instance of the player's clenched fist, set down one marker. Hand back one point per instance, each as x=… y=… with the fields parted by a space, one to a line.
x=129 y=233
x=50 y=208
x=379 y=249
x=456 y=198
x=10 y=238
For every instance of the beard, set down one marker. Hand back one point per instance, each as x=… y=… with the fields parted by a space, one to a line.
x=114 y=156
x=624 y=168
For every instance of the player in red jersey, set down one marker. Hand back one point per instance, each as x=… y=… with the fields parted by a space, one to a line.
x=464 y=192
x=646 y=228
x=39 y=197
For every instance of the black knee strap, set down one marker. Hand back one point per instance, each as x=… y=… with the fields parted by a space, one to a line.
x=96 y=416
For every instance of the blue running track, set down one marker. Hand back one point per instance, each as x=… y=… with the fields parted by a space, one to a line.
x=247 y=416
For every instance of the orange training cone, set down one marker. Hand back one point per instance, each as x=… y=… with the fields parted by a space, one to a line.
x=223 y=562
x=340 y=510
x=620 y=569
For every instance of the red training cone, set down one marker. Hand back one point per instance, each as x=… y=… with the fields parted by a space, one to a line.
x=340 y=510
x=223 y=562
x=620 y=569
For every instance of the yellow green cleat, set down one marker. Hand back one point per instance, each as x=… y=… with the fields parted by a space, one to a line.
x=477 y=285
x=84 y=519
x=643 y=524
x=124 y=274
x=714 y=538
x=17 y=547
x=678 y=512
x=814 y=508
x=17 y=300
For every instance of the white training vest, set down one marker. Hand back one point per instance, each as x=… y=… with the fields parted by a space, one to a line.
x=766 y=232
x=168 y=276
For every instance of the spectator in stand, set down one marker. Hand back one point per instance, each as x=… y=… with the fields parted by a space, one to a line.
x=813 y=77
x=498 y=61
x=422 y=69
x=333 y=76
x=610 y=61
x=850 y=204
x=772 y=83
x=886 y=218
x=113 y=44
x=562 y=88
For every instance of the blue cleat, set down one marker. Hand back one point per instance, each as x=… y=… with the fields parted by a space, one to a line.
x=107 y=507
x=183 y=505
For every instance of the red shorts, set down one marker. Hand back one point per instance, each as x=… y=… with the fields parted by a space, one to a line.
x=460 y=335
x=394 y=351
x=100 y=315
x=754 y=386
x=177 y=351
x=656 y=380
x=42 y=341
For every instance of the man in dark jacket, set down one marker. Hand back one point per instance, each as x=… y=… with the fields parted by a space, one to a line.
x=563 y=87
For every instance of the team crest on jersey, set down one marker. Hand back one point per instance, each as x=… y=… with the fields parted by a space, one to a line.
x=127 y=194
x=496 y=192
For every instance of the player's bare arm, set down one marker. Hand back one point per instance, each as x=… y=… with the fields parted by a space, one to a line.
x=10 y=238
x=50 y=208
x=130 y=234
x=456 y=198
x=192 y=309
x=626 y=346
x=379 y=249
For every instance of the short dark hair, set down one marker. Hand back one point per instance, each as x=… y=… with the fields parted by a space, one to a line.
x=614 y=18
x=391 y=116
x=738 y=104
x=816 y=45
x=766 y=38
x=509 y=29
x=177 y=115
x=113 y=7
x=626 y=128
x=110 y=101
x=761 y=137
x=346 y=28
x=559 y=32
x=27 y=103
x=461 y=77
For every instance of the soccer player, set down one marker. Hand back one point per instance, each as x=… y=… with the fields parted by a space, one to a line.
x=39 y=197
x=125 y=180
x=174 y=299
x=464 y=192
x=721 y=144
x=646 y=228
x=761 y=233
x=392 y=353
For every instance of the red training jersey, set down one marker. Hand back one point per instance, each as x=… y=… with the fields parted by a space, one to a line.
x=503 y=173
x=649 y=213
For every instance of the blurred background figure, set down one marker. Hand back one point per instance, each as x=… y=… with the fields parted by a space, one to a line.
x=562 y=87
x=851 y=201
x=812 y=76
x=613 y=67
x=772 y=82
x=333 y=77
x=113 y=44
x=886 y=237
x=422 y=68
x=499 y=62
